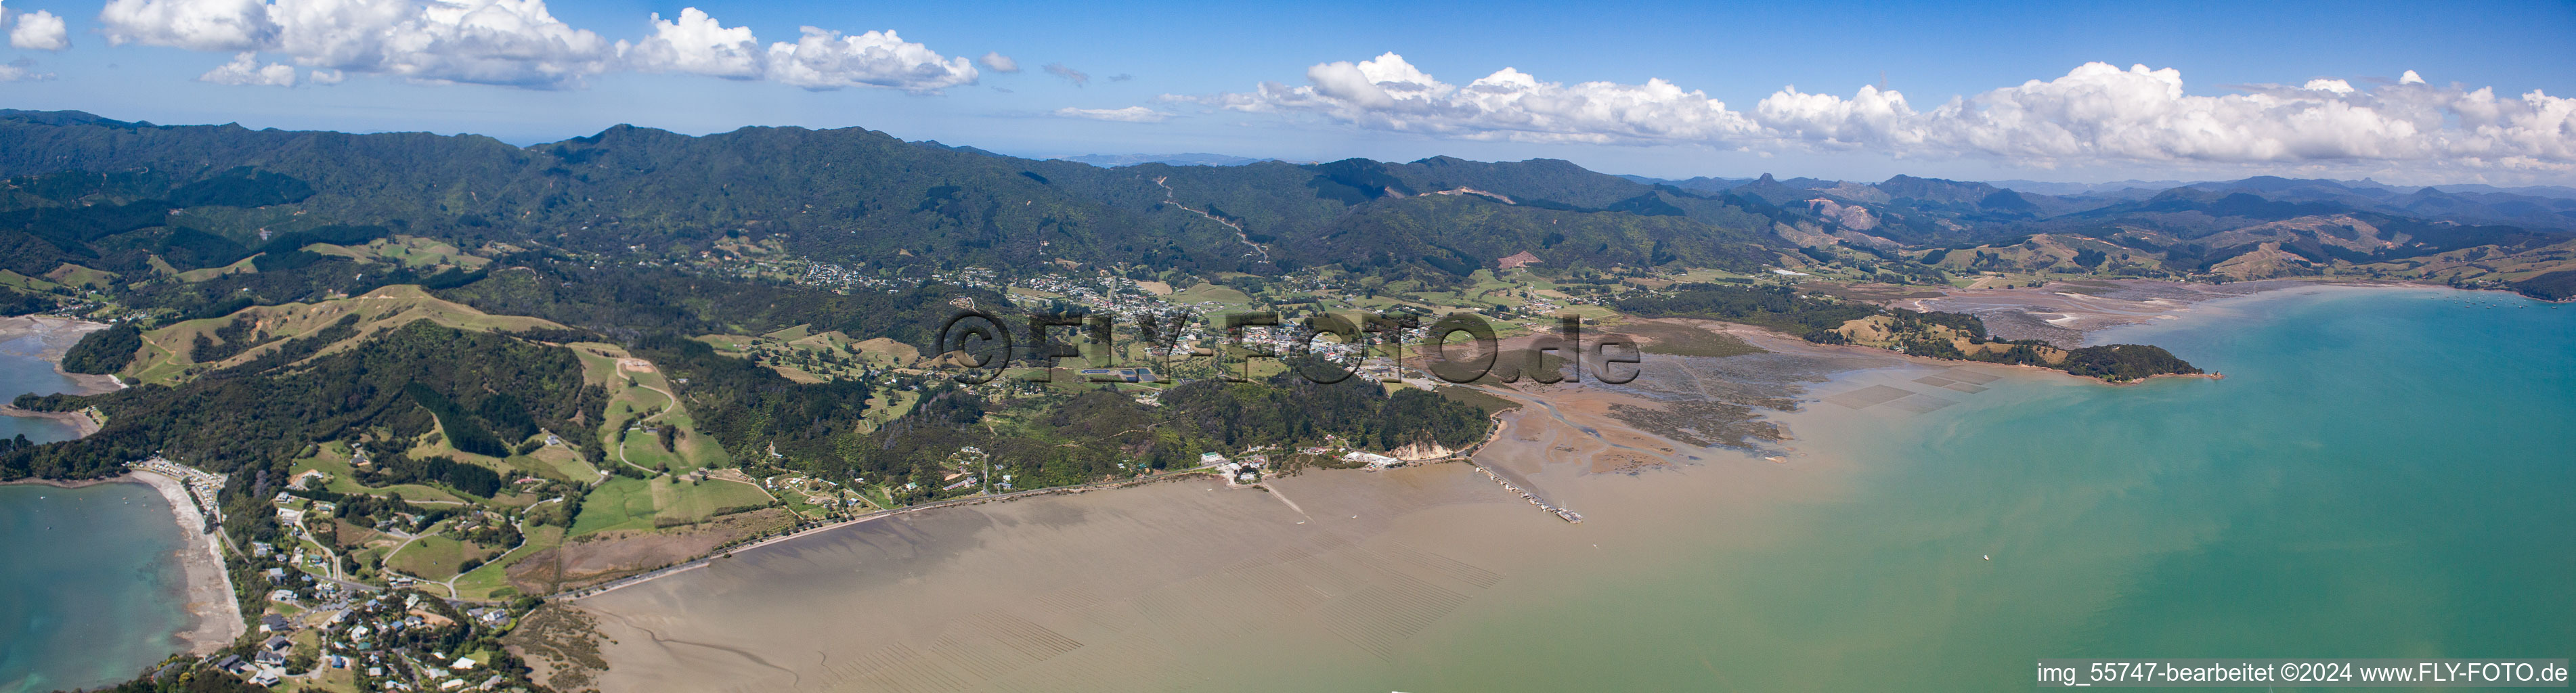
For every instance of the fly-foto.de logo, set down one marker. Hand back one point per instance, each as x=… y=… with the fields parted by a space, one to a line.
x=1324 y=348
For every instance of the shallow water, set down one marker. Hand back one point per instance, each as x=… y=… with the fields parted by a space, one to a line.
x=22 y=371
x=2383 y=473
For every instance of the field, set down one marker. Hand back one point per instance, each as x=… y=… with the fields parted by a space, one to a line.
x=333 y=459
x=640 y=397
x=413 y=251
x=76 y=275
x=165 y=358
x=431 y=557
x=492 y=581
x=627 y=503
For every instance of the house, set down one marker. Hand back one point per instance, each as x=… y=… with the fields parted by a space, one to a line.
x=276 y=643
x=261 y=549
x=287 y=596
x=1208 y=458
x=462 y=664
x=275 y=575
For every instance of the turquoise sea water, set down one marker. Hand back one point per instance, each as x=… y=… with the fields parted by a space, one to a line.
x=89 y=591
x=2382 y=473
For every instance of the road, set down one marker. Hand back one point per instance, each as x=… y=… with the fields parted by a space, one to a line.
x=1239 y=235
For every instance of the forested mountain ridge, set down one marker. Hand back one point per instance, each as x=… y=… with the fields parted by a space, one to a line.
x=860 y=196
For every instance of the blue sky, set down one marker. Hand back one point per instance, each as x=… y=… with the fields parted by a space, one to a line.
x=2250 y=98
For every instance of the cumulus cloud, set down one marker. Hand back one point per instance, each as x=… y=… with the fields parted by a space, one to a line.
x=2100 y=111
x=1388 y=93
x=519 y=43
x=203 y=25
x=998 y=62
x=2096 y=111
x=39 y=31
x=695 y=43
x=1130 y=114
x=827 y=60
x=1077 y=77
x=246 y=71
x=506 y=42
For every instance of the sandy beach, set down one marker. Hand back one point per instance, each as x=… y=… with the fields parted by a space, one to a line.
x=216 y=616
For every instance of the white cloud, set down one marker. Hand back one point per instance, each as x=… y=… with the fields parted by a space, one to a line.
x=694 y=43
x=998 y=62
x=827 y=60
x=1077 y=77
x=506 y=42
x=519 y=43
x=2096 y=112
x=325 y=77
x=245 y=71
x=1130 y=114
x=203 y=25
x=2410 y=78
x=39 y=31
x=1388 y=93
x=17 y=72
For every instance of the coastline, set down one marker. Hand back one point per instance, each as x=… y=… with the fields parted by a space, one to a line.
x=81 y=424
x=1127 y=591
x=216 y=619
x=58 y=335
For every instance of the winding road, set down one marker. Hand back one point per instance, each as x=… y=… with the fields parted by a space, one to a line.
x=1239 y=235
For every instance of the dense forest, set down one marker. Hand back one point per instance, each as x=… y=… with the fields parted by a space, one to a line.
x=105 y=351
x=2554 y=286
x=1101 y=433
x=262 y=413
x=628 y=302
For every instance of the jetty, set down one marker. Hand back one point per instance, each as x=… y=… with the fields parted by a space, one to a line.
x=1530 y=495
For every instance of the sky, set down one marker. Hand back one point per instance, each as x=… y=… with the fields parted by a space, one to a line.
x=2060 y=91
